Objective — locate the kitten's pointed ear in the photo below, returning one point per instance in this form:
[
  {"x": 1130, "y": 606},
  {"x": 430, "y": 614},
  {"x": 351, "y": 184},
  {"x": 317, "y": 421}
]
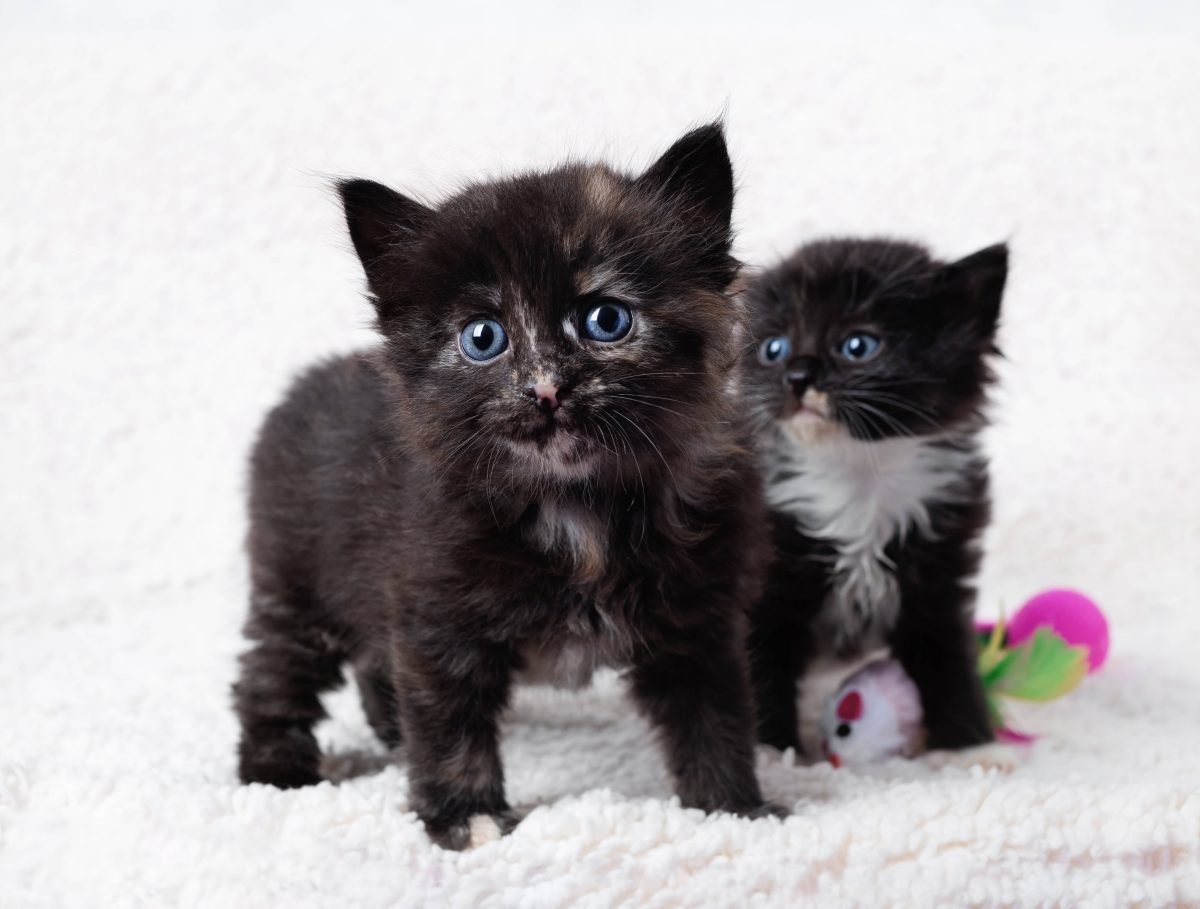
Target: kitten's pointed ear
[
  {"x": 696, "y": 171},
  {"x": 974, "y": 286},
  {"x": 380, "y": 220}
]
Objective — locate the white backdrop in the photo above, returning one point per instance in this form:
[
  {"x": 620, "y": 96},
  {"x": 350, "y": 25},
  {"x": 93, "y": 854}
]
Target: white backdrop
[{"x": 170, "y": 256}]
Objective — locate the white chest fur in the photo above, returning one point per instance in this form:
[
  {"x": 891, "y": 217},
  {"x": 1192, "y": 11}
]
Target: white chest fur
[
  {"x": 860, "y": 496},
  {"x": 574, "y": 530}
]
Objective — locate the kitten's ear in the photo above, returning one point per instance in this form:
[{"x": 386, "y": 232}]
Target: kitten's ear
[
  {"x": 380, "y": 220},
  {"x": 974, "y": 287},
  {"x": 696, "y": 172}
]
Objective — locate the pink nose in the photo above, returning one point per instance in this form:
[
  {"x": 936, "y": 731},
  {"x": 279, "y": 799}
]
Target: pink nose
[{"x": 545, "y": 395}]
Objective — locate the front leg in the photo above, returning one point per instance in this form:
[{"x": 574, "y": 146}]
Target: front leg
[
  {"x": 699, "y": 699},
  {"x": 934, "y": 640},
  {"x": 450, "y": 702},
  {"x": 781, "y": 642},
  {"x": 773, "y": 675}
]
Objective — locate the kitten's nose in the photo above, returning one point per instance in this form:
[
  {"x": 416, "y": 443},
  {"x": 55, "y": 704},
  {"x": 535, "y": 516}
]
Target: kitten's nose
[
  {"x": 802, "y": 372},
  {"x": 547, "y": 395}
]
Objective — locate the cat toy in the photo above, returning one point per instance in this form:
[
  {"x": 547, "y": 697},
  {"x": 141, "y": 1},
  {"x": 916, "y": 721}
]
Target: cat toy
[{"x": 1042, "y": 653}]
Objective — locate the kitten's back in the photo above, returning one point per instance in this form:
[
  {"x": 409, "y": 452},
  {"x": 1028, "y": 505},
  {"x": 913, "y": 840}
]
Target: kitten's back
[{"x": 309, "y": 459}]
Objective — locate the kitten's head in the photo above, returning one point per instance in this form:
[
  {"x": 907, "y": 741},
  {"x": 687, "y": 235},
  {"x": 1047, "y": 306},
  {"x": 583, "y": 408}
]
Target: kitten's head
[
  {"x": 873, "y": 339},
  {"x": 570, "y": 326}
]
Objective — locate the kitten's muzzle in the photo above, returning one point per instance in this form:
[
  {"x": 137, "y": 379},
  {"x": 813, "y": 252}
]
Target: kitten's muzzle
[{"x": 801, "y": 374}]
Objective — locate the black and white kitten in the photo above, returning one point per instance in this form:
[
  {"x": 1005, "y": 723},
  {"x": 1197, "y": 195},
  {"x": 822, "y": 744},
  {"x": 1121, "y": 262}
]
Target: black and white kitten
[
  {"x": 536, "y": 472},
  {"x": 867, "y": 381}
]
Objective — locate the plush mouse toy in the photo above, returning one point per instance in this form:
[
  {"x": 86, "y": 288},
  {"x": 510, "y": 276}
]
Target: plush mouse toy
[
  {"x": 875, "y": 714},
  {"x": 1052, "y": 642}
]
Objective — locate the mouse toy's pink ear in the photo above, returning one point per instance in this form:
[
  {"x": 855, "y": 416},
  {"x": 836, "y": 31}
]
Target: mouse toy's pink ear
[{"x": 850, "y": 707}]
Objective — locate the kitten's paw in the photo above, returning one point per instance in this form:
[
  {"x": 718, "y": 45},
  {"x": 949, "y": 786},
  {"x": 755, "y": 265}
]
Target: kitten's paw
[
  {"x": 281, "y": 776},
  {"x": 999, "y": 756},
  {"x": 471, "y": 832},
  {"x": 766, "y": 809},
  {"x": 781, "y": 742},
  {"x": 287, "y": 761},
  {"x": 790, "y": 756},
  {"x": 749, "y": 810}
]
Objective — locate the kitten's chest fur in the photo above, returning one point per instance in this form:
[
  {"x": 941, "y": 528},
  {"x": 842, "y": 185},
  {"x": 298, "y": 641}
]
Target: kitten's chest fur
[
  {"x": 573, "y": 531},
  {"x": 587, "y": 638},
  {"x": 867, "y": 500}
]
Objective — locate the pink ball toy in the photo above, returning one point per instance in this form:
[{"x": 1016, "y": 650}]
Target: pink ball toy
[{"x": 1069, "y": 614}]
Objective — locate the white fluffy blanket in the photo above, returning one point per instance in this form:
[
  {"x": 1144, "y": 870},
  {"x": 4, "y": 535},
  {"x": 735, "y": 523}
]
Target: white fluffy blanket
[{"x": 169, "y": 256}]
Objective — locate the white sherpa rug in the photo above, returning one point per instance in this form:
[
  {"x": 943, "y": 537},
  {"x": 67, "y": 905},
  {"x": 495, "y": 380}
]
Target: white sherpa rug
[{"x": 168, "y": 258}]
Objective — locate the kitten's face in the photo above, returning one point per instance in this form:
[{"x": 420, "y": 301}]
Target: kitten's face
[
  {"x": 872, "y": 340},
  {"x": 570, "y": 326}
]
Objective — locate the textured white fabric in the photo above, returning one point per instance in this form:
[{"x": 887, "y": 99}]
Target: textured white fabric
[{"x": 169, "y": 256}]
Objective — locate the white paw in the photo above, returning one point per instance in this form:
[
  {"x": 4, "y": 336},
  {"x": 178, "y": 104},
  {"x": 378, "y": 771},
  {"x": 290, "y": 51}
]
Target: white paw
[
  {"x": 1000, "y": 756},
  {"x": 482, "y": 829}
]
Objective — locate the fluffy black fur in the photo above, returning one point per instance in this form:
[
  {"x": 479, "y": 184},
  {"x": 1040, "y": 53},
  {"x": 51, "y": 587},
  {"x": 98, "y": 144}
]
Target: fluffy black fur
[
  {"x": 443, "y": 525},
  {"x": 874, "y": 456}
]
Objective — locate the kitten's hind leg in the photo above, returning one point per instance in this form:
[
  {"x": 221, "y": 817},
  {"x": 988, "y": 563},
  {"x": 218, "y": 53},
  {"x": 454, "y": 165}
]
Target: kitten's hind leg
[
  {"x": 276, "y": 697},
  {"x": 379, "y": 702}
]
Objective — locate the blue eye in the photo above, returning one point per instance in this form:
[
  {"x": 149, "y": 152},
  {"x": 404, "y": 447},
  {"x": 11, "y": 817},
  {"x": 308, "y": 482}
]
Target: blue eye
[
  {"x": 859, "y": 346},
  {"x": 483, "y": 339},
  {"x": 610, "y": 321},
  {"x": 775, "y": 350}
]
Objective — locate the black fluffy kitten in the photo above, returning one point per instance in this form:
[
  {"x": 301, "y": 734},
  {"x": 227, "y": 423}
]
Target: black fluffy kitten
[
  {"x": 534, "y": 473},
  {"x": 868, "y": 379}
]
